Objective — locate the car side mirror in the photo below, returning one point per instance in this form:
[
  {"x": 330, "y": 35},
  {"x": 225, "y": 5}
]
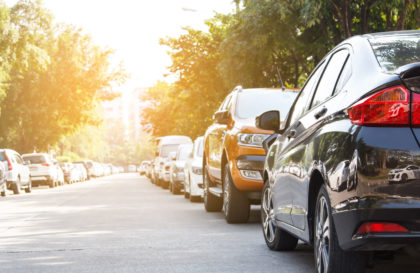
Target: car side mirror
[
  {"x": 269, "y": 120},
  {"x": 221, "y": 117}
]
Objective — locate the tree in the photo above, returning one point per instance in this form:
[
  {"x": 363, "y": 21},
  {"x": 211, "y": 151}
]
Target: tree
[{"x": 57, "y": 78}]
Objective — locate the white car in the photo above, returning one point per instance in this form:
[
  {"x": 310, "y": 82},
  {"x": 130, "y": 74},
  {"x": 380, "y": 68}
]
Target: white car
[
  {"x": 42, "y": 168},
  {"x": 193, "y": 184},
  {"x": 403, "y": 174},
  {"x": 177, "y": 176},
  {"x": 17, "y": 171},
  {"x": 165, "y": 146}
]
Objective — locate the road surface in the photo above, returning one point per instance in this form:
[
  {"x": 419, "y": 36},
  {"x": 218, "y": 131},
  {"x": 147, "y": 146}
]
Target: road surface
[{"x": 123, "y": 223}]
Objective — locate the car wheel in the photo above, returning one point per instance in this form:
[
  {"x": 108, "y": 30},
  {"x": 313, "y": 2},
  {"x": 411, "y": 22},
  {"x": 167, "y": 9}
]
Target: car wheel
[
  {"x": 51, "y": 183},
  {"x": 16, "y": 186},
  {"x": 275, "y": 238},
  {"x": 329, "y": 257},
  {"x": 186, "y": 193},
  {"x": 28, "y": 189},
  {"x": 236, "y": 205},
  {"x": 175, "y": 189},
  {"x": 3, "y": 192},
  {"x": 212, "y": 203},
  {"x": 404, "y": 178}
]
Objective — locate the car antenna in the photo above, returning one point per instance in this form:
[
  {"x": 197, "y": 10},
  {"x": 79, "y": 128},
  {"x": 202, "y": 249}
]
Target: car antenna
[{"x": 281, "y": 80}]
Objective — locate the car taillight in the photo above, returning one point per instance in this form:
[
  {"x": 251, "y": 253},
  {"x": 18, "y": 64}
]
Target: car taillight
[
  {"x": 167, "y": 168},
  {"x": 45, "y": 164},
  {"x": 415, "y": 110},
  {"x": 380, "y": 227},
  {"x": 389, "y": 107},
  {"x": 9, "y": 163}
]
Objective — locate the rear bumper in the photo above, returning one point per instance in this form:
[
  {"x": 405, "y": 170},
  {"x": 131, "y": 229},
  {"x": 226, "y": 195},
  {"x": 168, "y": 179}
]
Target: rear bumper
[
  {"x": 400, "y": 211},
  {"x": 40, "y": 177}
]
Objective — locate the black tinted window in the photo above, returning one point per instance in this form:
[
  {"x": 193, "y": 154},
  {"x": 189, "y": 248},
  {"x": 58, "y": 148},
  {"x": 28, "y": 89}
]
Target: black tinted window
[
  {"x": 35, "y": 159},
  {"x": 302, "y": 101},
  {"x": 329, "y": 77}
]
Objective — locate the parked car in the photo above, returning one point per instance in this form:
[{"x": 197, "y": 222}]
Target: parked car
[
  {"x": 403, "y": 174},
  {"x": 233, "y": 152},
  {"x": 361, "y": 100},
  {"x": 17, "y": 171},
  {"x": 132, "y": 168},
  {"x": 143, "y": 167},
  {"x": 193, "y": 184},
  {"x": 177, "y": 176},
  {"x": 69, "y": 172},
  {"x": 90, "y": 168},
  {"x": 42, "y": 169},
  {"x": 166, "y": 145},
  {"x": 3, "y": 185},
  {"x": 83, "y": 174}
]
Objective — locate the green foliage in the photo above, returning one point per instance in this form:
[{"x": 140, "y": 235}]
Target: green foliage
[
  {"x": 247, "y": 47},
  {"x": 55, "y": 77}
]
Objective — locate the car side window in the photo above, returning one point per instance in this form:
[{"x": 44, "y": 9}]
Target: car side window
[
  {"x": 344, "y": 76},
  {"x": 225, "y": 103},
  {"x": 329, "y": 77},
  {"x": 18, "y": 159},
  {"x": 302, "y": 101}
]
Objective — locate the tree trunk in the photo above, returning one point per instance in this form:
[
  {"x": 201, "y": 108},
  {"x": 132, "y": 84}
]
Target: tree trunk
[
  {"x": 364, "y": 20},
  {"x": 403, "y": 15}
]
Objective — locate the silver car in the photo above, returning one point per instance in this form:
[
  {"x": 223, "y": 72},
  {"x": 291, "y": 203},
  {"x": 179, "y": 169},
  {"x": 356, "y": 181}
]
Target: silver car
[{"x": 17, "y": 171}]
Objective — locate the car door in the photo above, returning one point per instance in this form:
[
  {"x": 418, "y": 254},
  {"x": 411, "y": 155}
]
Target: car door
[
  {"x": 216, "y": 134},
  {"x": 282, "y": 198},
  {"x": 306, "y": 151},
  {"x": 23, "y": 169}
]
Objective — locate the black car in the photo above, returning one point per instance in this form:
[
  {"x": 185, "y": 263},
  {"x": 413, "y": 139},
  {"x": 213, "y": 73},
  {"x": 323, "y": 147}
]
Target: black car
[{"x": 326, "y": 173}]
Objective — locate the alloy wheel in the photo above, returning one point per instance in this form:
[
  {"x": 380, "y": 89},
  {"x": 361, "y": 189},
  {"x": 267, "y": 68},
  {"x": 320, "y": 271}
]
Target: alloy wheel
[
  {"x": 226, "y": 189},
  {"x": 322, "y": 236},
  {"x": 268, "y": 216}
]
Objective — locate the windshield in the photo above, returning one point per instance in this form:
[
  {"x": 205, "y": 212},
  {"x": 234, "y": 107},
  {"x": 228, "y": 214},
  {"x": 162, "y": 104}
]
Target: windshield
[
  {"x": 35, "y": 159},
  {"x": 393, "y": 52},
  {"x": 252, "y": 103},
  {"x": 165, "y": 150}
]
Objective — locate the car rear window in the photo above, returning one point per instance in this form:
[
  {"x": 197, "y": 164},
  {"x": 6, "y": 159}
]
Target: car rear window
[
  {"x": 35, "y": 159},
  {"x": 2, "y": 156},
  {"x": 252, "y": 103},
  {"x": 393, "y": 52}
]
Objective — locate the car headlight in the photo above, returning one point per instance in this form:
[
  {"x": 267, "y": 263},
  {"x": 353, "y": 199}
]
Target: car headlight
[
  {"x": 252, "y": 140},
  {"x": 197, "y": 170}
]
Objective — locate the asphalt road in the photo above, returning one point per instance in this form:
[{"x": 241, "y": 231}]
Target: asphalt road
[{"x": 123, "y": 223}]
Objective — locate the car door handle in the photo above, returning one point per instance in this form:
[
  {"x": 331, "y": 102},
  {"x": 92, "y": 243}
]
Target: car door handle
[{"x": 321, "y": 112}]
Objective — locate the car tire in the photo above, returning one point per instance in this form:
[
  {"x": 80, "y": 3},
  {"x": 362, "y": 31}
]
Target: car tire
[
  {"x": 212, "y": 203},
  {"x": 404, "y": 178},
  {"x": 3, "y": 192},
  {"x": 186, "y": 194},
  {"x": 28, "y": 189},
  {"x": 16, "y": 186},
  {"x": 51, "y": 183},
  {"x": 175, "y": 189},
  {"x": 236, "y": 206},
  {"x": 275, "y": 238},
  {"x": 329, "y": 257}
]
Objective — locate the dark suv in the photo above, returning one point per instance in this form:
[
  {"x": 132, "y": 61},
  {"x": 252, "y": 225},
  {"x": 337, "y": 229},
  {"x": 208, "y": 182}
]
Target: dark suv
[{"x": 356, "y": 120}]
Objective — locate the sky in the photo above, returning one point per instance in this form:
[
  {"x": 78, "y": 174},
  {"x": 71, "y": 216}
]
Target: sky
[{"x": 133, "y": 28}]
